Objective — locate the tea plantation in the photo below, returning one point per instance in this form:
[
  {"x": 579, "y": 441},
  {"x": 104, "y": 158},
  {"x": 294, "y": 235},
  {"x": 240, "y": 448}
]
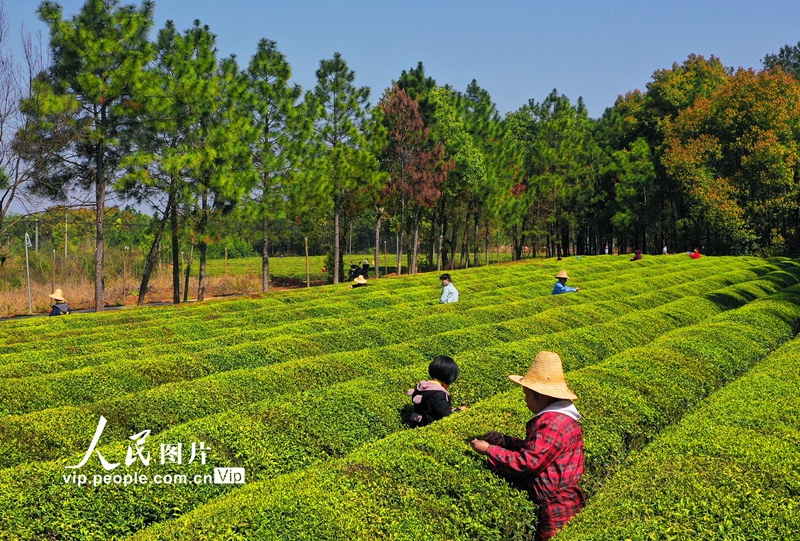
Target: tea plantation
[{"x": 687, "y": 373}]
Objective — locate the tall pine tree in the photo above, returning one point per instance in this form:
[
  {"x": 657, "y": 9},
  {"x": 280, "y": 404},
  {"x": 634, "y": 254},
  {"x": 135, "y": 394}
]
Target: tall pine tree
[
  {"x": 97, "y": 64},
  {"x": 342, "y": 154}
]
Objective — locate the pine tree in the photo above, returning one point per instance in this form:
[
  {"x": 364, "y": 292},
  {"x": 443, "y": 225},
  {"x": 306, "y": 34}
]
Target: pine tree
[
  {"x": 97, "y": 64},
  {"x": 282, "y": 128},
  {"x": 342, "y": 154}
]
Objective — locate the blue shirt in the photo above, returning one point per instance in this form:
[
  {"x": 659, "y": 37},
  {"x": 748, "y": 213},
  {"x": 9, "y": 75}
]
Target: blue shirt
[
  {"x": 449, "y": 294},
  {"x": 561, "y": 288}
]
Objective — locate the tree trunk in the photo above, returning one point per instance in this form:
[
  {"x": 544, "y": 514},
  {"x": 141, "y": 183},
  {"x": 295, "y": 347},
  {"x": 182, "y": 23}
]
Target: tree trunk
[
  {"x": 464, "y": 260},
  {"x": 453, "y": 245},
  {"x": 401, "y": 234},
  {"x": 415, "y": 248},
  {"x": 442, "y": 223},
  {"x": 477, "y": 244},
  {"x": 265, "y": 257},
  {"x": 176, "y": 255},
  {"x": 152, "y": 256},
  {"x": 432, "y": 242},
  {"x": 488, "y": 243},
  {"x": 188, "y": 272},
  {"x": 336, "y": 212},
  {"x": 378, "y": 243},
  {"x": 201, "y": 232},
  {"x": 439, "y": 251},
  {"x": 517, "y": 242},
  {"x": 565, "y": 241},
  {"x": 99, "y": 251}
]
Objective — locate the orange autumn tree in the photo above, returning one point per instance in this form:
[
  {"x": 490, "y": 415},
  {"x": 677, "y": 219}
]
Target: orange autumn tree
[{"x": 735, "y": 155}]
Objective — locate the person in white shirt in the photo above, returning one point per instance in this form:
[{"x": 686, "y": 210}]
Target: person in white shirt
[{"x": 449, "y": 291}]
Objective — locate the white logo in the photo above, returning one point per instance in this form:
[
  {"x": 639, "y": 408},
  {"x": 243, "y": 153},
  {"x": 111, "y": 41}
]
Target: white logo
[{"x": 228, "y": 476}]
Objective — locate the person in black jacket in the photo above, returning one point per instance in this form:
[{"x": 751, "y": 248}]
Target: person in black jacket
[
  {"x": 60, "y": 308},
  {"x": 431, "y": 398}
]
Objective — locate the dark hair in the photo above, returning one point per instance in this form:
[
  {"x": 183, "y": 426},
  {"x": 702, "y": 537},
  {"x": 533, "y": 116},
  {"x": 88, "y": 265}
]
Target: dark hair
[
  {"x": 444, "y": 369},
  {"x": 445, "y": 277}
]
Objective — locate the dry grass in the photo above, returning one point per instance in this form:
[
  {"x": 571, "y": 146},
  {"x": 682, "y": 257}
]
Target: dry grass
[{"x": 80, "y": 292}]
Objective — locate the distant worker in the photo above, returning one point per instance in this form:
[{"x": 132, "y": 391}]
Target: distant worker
[
  {"x": 360, "y": 281},
  {"x": 449, "y": 291},
  {"x": 60, "y": 308},
  {"x": 664, "y": 251},
  {"x": 606, "y": 248},
  {"x": 561, "y": 286},
  {"x": 695, "y": 254},
  {"x": 637, "y": 255}
]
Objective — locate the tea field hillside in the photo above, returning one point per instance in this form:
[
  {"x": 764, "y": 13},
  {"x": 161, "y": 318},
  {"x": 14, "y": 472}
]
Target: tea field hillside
[{"x": 282, "y": 417}]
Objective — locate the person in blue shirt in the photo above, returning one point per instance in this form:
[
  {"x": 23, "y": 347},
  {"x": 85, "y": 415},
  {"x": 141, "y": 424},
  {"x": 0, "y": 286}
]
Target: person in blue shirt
[
  {"x": 449, "y": 291},
  {"x": 561, "y": 285}
]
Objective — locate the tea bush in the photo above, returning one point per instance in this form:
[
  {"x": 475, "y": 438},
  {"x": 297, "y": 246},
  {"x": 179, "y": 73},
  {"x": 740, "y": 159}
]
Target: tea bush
[
  {"x": 728, "y": 470},
  {"x": 259, "y": 436},
  {"x": 427, "y": 483}
]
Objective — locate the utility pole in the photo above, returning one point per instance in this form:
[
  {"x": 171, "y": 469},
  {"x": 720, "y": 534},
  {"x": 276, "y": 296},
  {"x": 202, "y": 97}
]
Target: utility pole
[
  {"x": 28, "y": 271},
  {"x": 124, "y": 273}
]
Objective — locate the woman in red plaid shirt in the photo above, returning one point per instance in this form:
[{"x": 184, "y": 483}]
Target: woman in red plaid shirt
[{"x": 550, "y": 458}]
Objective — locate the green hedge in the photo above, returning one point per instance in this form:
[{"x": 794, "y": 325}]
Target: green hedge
[
  {"x": 18, "y": 333},
  {"x": 210, "y": 396},
  {"x": 274, "y": 437},
  {"x": 122, "y": 377},
  {"x": 163, "y": 327},
  {"x": 426, "y": 484},
  {"x": 729, "y": 470}
]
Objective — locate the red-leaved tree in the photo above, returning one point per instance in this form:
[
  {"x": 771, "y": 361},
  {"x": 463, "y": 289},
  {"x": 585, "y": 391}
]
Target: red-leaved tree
[{"x": 417, "y": 168}]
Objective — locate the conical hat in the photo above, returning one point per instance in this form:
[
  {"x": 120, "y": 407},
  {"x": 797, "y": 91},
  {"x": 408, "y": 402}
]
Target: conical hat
[
  {"x": 360, "y": 279},
  {"x": 562, "y": 274},
  {"x": 546, "y": 376},
  {"x": 57, "y": 295}
]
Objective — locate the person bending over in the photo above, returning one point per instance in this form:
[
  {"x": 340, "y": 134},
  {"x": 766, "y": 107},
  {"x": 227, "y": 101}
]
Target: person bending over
[{"x": 550, "y": 458}]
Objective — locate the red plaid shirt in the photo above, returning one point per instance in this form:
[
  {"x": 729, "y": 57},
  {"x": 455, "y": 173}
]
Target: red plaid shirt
[{"x": 551, "y": 461}]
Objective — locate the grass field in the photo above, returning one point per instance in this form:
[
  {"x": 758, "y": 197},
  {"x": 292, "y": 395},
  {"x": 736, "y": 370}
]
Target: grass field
[{"x": 304, "y": 392}]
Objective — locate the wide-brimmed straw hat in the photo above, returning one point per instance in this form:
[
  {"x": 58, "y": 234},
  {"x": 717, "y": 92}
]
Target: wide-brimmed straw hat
[
  {"x": 360, "y": 279},
  {"x": 546, "y": 376},
  {"x": 57, "y": 295},
  {"x": 562, "y": 274}
]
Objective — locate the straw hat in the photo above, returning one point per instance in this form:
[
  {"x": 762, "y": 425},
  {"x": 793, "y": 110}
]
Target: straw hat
[
  {"x": 360, "y": 279},
  {"x": 57, "y": 295},
  {"x": 546, "y": 376},
  {"x": 562, "y": 274}
]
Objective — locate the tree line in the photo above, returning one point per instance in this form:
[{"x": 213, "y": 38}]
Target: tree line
[{"x": 706, "y": 157}]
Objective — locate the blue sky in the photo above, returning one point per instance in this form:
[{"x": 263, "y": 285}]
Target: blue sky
[{"x": 517, "y": 50}]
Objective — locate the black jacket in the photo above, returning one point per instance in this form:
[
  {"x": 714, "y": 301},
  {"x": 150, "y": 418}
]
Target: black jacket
[
  {"x": 431, "y": 403},
  {"x": 60, "y": 309}
]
